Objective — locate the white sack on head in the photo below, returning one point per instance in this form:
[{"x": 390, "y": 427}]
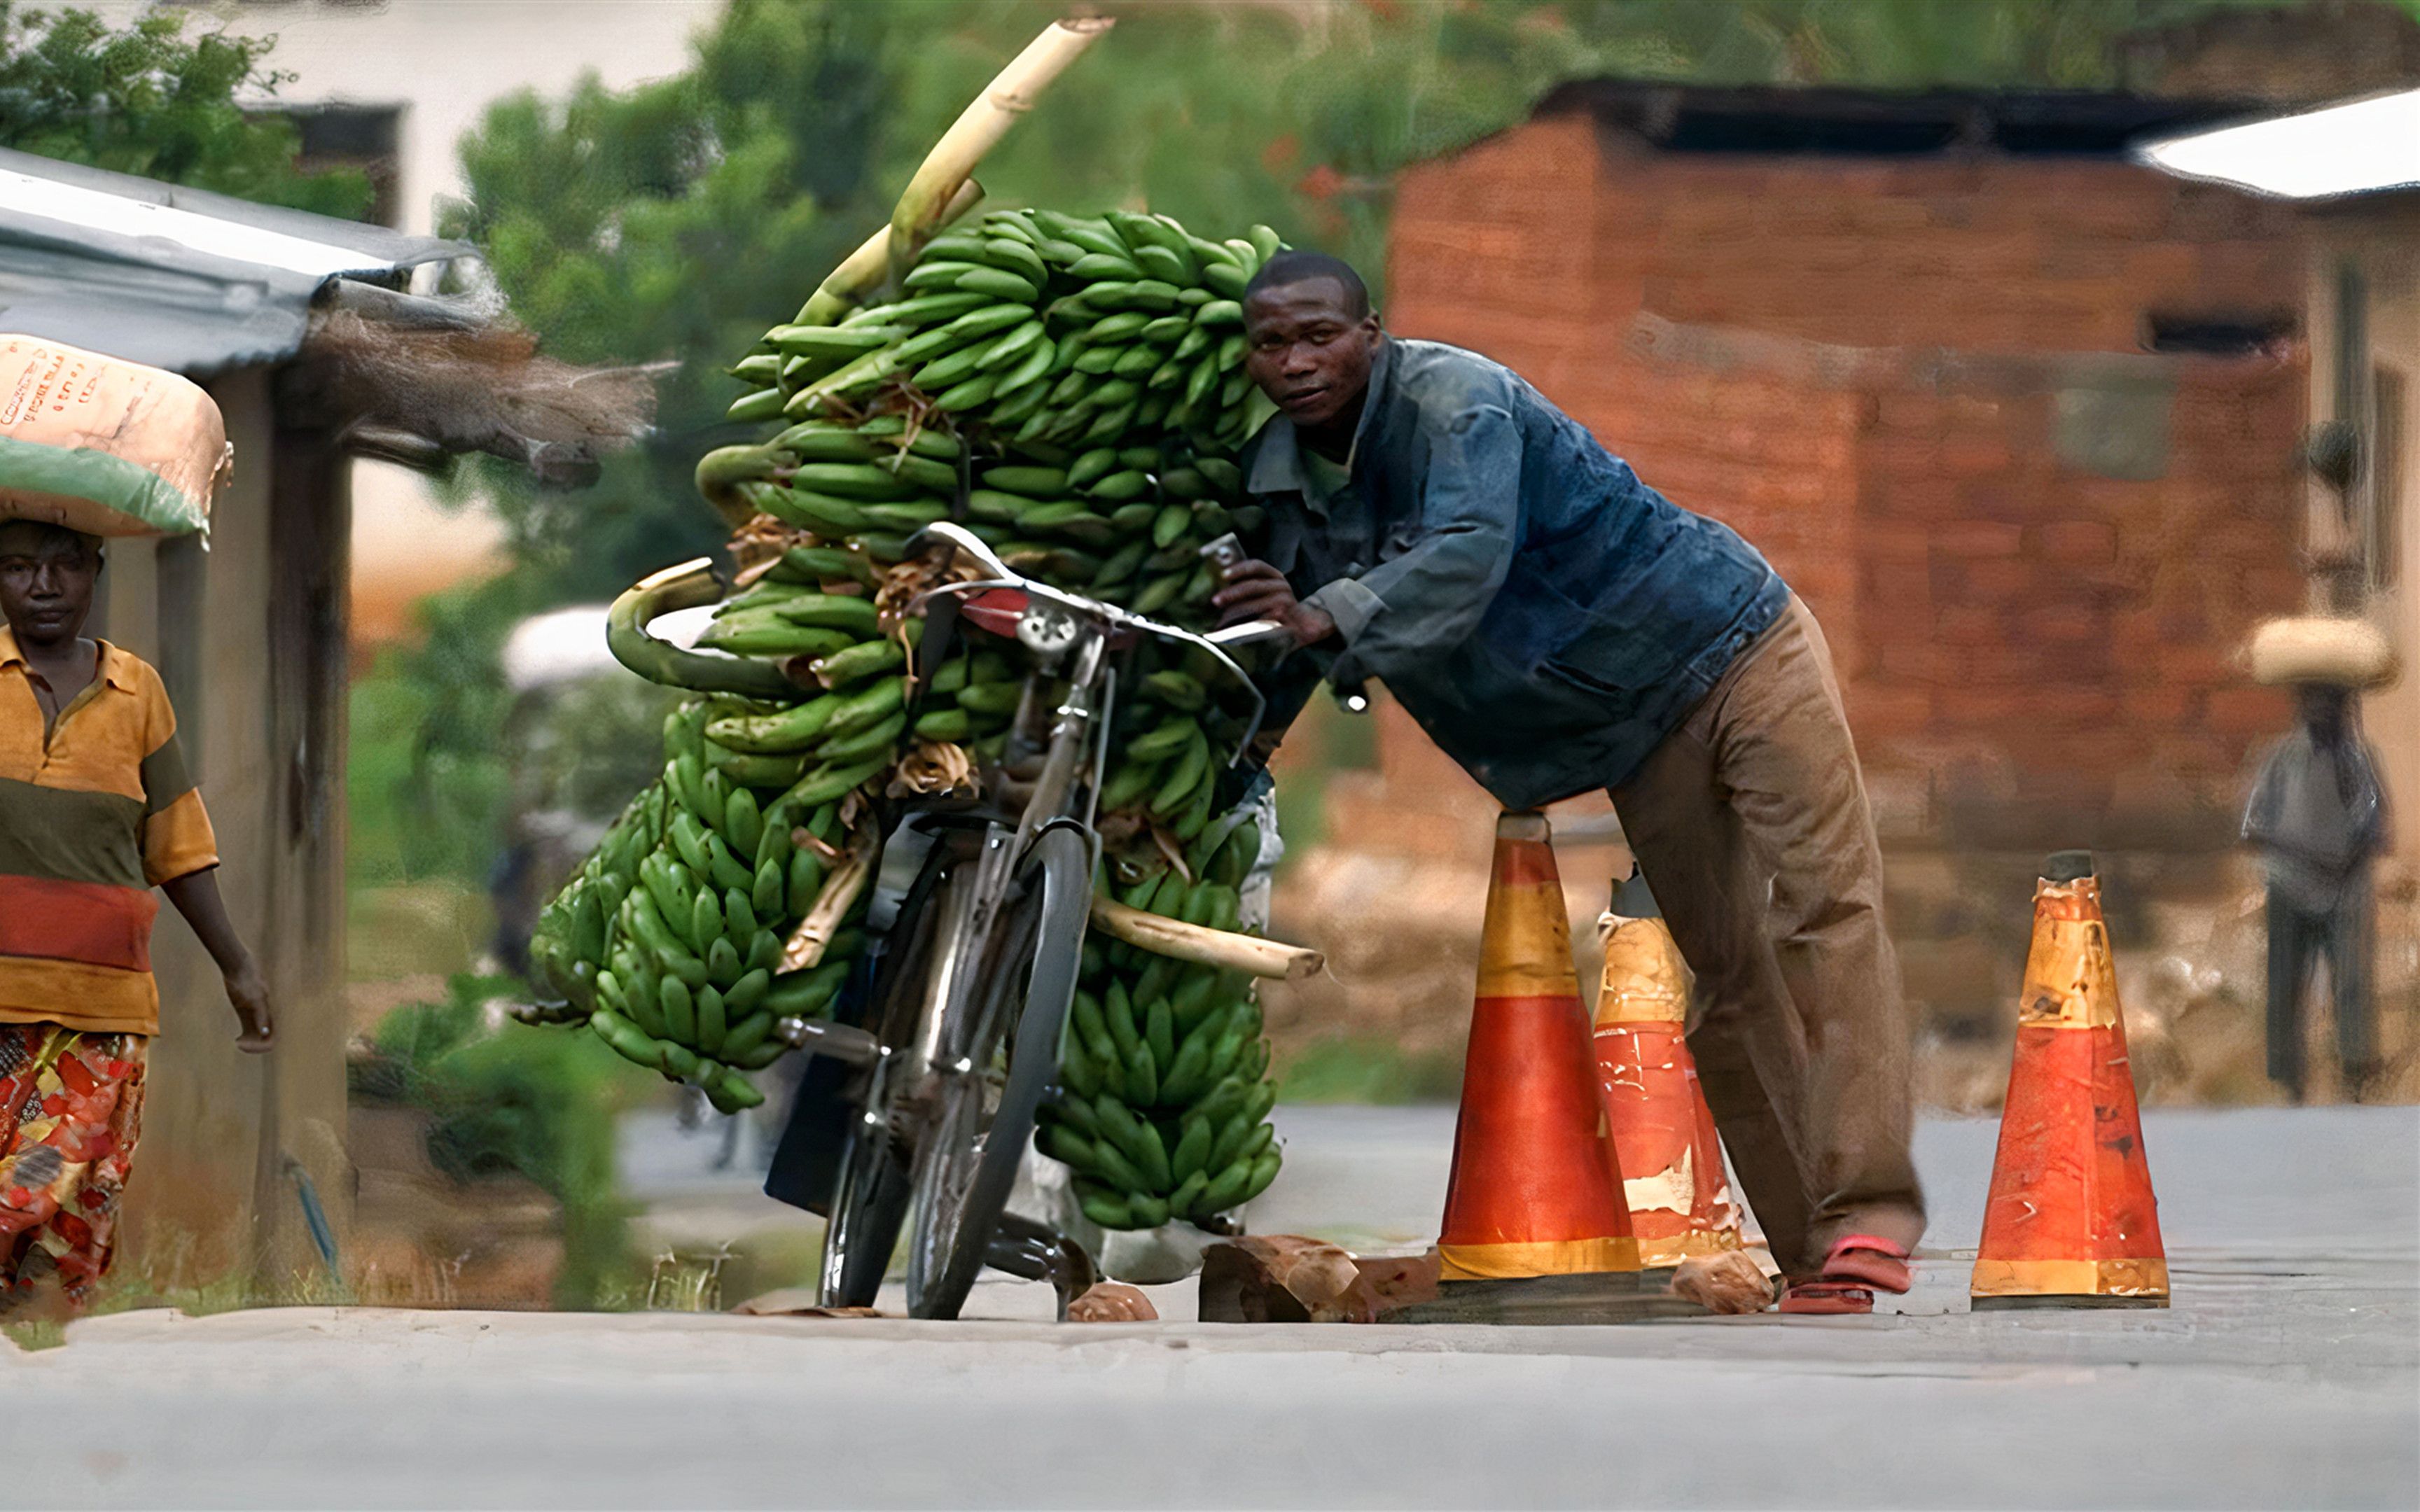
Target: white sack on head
[
  {"x": 2340, "y": 653},
  {"x": 105, "y": 446}
]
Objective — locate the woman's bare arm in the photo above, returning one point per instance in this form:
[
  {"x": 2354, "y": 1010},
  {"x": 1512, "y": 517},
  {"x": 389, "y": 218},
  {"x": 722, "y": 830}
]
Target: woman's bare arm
[{"x": 196, "y": 896}]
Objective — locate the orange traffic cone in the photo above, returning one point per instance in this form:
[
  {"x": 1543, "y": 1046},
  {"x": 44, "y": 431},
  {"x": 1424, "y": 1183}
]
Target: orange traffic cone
[
  {"x": 1674, "y": 1185},
  {"x": 1535, "y": 1189},
  {"x": 2070, "y": 1221}
]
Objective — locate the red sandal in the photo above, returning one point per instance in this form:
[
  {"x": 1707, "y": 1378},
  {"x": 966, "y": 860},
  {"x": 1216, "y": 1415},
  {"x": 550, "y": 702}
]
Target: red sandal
[
  {"x": 1876, "y": 1262},
  {"x": 1818, "y": 1296},
  {"x": 1858, "y": 1266}
]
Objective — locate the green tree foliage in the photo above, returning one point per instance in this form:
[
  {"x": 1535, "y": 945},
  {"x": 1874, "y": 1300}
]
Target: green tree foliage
[
  {"x": 661, "y": 225},
  {"x": 151, "y": 100},
  {"x": 505, "y": 1102},
  {"x": 1907, "y": 44},
  {"x": 429, "y": 769}
]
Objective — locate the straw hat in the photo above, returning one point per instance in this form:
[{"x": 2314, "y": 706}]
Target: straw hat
[{"x": 2341, "y": 653}]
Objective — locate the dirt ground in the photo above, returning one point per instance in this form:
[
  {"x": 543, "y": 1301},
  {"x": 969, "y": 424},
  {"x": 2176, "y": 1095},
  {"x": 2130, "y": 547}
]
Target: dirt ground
[{"x": 1401, "y": 938}]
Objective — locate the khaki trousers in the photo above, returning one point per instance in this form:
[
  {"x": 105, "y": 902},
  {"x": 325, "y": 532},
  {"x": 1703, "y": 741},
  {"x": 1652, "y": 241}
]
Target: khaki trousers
[{"x": 1751, "y": 824}]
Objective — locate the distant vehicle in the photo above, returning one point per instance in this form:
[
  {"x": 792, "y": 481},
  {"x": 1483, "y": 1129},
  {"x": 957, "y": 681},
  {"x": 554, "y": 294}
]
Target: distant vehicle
[{"x": 582, "y": 735}]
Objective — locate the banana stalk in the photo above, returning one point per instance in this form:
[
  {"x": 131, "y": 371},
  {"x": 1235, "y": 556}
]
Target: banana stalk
[
  {"x": 866, "y": 269},
  {"x": 1222, "y": 948},
  {"x": 805, "y": 947},
  {"x": 982, "y": 123},
  {"x": 686, "y": 586},
  {"x": 720, "y": 472}
]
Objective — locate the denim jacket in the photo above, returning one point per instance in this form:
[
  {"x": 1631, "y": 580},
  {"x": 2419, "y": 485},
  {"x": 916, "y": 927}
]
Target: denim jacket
[{"x": 1545, "y": 616}]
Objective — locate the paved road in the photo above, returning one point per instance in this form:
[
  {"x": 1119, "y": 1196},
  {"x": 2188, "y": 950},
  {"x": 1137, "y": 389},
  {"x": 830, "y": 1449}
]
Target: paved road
[{"x": 2287, "y": 1374}]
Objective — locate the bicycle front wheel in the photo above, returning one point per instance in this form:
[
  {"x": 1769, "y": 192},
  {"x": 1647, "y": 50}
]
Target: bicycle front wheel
[{"x": 1002, "y": 1056}]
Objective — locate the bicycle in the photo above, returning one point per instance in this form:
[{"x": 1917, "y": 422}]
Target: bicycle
[{"x": 980, "y": 913}]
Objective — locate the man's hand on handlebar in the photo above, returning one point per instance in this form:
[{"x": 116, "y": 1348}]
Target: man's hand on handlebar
[{"x": 1256, "y": 591}]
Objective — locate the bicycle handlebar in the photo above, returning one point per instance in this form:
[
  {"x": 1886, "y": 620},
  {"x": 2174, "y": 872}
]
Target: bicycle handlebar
[
  {"x": 965, "y": 540},
  {"x": 1250, "y": 633},
  {"x": 1000, "y": 575}
]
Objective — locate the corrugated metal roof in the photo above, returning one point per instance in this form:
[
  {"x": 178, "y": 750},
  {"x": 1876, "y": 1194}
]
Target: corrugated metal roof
[
  {"x": 179, "y": 278},
  {"x": 2362, "y": 147}
]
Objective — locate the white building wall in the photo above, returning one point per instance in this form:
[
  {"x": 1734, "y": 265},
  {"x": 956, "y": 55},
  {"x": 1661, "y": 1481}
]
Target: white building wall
[{"x": 444, "y": 61}]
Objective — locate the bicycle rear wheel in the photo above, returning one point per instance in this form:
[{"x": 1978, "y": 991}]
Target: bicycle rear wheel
[{"x": 1002, "y": 1056}]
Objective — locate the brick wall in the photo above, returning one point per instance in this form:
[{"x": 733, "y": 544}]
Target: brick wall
[{"x": 1889, "y": 376}]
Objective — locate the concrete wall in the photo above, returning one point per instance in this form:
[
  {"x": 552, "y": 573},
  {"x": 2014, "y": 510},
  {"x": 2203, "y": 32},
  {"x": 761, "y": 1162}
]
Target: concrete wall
[
  {"x": 212, "y": 1195},
  {"x": 2383, "y": 241}
]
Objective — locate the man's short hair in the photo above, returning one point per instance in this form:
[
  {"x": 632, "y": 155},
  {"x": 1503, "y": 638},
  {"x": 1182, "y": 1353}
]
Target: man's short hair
[{"x": 1290, "y": 267}]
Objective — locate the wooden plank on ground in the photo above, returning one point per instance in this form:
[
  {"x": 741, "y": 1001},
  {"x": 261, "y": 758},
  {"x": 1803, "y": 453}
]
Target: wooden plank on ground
[{"x": 1289, "y": 1279}]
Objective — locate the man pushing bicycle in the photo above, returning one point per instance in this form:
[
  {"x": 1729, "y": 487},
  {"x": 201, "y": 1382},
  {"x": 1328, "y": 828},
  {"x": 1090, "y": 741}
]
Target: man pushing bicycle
[{"x": 1556, "y": 625}]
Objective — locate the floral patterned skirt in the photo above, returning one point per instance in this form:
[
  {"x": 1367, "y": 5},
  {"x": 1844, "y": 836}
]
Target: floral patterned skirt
[{"x": 71, "y": 1112}]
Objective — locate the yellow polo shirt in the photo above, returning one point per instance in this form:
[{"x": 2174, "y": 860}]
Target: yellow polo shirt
[{"x": 91, "y": 820}]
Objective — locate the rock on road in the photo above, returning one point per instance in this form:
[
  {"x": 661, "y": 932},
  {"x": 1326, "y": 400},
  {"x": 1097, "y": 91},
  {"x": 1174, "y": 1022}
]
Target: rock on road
[{"x": 2287, "y": 1373}]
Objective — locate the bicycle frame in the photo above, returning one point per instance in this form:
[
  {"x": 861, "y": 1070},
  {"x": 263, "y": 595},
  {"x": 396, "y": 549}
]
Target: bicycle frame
[
  {"x": 915, "y": 1083},
  {"x": 1080, "y": 635}
]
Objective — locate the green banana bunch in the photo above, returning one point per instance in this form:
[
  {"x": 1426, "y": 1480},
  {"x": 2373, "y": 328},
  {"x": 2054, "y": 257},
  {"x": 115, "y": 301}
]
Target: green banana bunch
[
  {"x": 1094, "y": 365},
  {"x": 671, "y": 935},
  {"x": 567, "y": 946},
  {"x": 1164, "y": 1093},
  {"x": 969, "y": 700},
  {"x": 851, "y": 713},
  {"x": 1072, "y": 389},
  {"x": 1167, "y": 747},
  {"x": 993, "y": 317}
]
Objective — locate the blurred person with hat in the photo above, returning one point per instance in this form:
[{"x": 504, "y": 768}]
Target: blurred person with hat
[{"x": 2317, "y": 819}]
